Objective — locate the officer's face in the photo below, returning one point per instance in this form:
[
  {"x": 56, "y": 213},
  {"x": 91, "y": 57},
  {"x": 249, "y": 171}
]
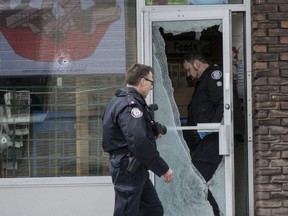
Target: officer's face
[{"x": 191, "y": 69}]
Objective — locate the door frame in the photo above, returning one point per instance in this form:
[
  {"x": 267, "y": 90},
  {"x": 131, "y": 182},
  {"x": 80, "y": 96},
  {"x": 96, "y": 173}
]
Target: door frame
[{"x": 149, "y": 15}]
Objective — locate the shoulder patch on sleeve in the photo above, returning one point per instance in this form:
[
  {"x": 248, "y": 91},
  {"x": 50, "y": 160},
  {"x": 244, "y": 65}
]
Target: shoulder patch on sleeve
[
  {"x": 217, "y": 74},
  {"x": 136, "y": 112}
]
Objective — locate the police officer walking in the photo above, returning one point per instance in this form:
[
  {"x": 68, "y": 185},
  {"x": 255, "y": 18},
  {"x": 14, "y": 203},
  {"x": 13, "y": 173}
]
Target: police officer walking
[
  {"x": 129, "y": 136},
  {"x": 206, "y": 106}
]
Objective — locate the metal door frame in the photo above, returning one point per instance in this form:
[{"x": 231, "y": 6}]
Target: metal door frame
[{"x": 150, "y": 14}]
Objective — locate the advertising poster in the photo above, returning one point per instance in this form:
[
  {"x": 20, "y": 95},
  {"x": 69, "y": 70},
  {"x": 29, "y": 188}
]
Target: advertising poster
[{"x": 42, "y": 37}]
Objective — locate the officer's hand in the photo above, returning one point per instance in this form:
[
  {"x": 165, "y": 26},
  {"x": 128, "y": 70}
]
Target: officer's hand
[
  {"x": 203, "y": 134},
  {"x": 168, "y": 176}
]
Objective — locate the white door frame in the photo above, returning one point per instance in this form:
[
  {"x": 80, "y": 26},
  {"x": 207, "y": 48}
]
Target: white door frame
[{"x": 226, "y": 146}]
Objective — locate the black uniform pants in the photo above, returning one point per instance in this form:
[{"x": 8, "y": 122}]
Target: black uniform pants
[
  {"x": 206, "y": 159},
  {"x": 207, "y": 170},
  {"x": 135, "y": 195}
]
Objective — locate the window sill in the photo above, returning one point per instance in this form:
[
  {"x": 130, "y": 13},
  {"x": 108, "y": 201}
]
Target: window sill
[{"x": 56, "y": 181}]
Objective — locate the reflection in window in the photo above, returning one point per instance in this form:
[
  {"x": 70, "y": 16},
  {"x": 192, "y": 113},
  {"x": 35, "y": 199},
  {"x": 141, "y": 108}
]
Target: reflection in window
[
  {"x": 60, "y": 64},
  {"x": 188, "y": 192},
  {"x": 52, "y": 126}
]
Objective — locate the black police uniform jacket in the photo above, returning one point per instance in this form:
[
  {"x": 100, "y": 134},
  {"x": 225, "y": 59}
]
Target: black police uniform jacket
[
  {"x": 127, "y": 126},
  {"x": 206, "y": 106}
]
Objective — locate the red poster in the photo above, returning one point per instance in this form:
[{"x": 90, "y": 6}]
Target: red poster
[{"x": 67, "y": 36}]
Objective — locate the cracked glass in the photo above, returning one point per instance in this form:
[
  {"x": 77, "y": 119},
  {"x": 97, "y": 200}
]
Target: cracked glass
[{"x": 188, "y": 193}]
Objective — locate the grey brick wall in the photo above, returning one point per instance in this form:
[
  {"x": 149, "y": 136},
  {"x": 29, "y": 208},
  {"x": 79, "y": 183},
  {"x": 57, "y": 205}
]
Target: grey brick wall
[{"x": 270, "y": 91}]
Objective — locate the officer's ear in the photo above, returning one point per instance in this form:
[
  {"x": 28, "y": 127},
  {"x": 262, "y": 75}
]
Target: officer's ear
[
  {"x": 196, "y": 65},
  {"x": 142, "y": 81}
]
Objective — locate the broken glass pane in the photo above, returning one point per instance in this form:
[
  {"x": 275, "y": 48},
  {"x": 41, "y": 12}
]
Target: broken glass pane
[{"x": 187, "y": 195}]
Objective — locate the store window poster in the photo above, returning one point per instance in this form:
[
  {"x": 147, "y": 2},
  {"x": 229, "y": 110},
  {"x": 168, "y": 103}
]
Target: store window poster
[{"x": 62, "y": 36}]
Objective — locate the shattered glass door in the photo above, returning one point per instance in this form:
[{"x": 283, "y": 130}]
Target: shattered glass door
[{"x": 187, "y": 195}]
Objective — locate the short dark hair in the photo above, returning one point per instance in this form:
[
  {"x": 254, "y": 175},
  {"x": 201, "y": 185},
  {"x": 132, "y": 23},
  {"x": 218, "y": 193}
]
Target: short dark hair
[
  {"x": 136, "y": 72},
  {"x": 191, "y": 57}
]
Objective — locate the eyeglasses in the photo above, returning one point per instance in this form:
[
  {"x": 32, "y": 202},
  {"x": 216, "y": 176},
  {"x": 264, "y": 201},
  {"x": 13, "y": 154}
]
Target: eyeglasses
[{"x": 152, "y": 82}]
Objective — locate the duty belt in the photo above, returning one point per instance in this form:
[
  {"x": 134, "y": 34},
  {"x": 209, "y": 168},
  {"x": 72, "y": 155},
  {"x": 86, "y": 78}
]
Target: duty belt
[{"x": 122, "y": 151}]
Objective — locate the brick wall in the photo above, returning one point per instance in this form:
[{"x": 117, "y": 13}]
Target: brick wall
[{"x": 270, "y": 90}]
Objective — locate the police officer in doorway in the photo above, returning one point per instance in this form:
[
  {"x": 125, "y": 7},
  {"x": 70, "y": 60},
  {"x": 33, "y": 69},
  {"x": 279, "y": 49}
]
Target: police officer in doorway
[
  {"x": 129, "y": 137},
  {"x": 206, "y": 106}
]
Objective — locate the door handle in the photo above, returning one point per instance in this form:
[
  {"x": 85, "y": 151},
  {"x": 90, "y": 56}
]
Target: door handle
[{"x": 224, "y": 140}]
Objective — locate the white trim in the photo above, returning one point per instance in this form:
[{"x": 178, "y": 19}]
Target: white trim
[
  {"x": 55, "y": 181},
  {"x": 139, "y": 27},
  {"x": 248, "y": 28},
  {"x": 185, "y": 14},
  {"x": 175, "y": 8},
  {"x": 228, "y": 126},
  {"x": 246, "y": 8},
  {"x": 159, "y": 14}
]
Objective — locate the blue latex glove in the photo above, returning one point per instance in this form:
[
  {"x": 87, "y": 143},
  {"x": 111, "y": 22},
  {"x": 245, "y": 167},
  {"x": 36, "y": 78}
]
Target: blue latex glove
[{"x": 203, "y": 134}]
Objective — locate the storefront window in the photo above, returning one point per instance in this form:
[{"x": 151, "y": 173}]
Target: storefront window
[
  {"x": 192, "y": 2},
  {"x": 60, "y": 64}
]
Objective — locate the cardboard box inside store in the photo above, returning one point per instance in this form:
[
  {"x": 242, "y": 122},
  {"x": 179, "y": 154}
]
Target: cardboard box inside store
[{"x": 182, "y": 97}]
